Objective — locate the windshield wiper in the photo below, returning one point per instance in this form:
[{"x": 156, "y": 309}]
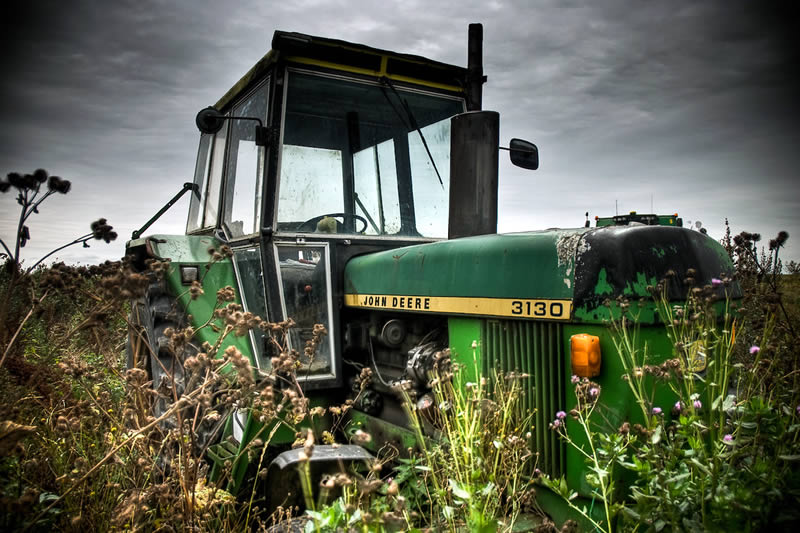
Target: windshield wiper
[{"x": 412, "y": 121}]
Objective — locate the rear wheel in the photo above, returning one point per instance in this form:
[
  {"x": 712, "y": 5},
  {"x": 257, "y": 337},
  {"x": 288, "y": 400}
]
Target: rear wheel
[{"x": 151, "y": 348}]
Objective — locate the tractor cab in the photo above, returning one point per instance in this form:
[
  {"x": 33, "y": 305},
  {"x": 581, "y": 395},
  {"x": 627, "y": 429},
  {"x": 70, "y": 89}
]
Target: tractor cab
[{"x": 325, "y": 150}]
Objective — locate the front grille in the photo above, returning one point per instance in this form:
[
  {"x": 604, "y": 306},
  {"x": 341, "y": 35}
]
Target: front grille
[{"x": 535, "y": 349}]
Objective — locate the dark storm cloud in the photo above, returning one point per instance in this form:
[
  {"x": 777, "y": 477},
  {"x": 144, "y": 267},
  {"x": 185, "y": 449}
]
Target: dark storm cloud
[
  {"x": 691, "y": 104},
  {"x": 94, "y": 91}
]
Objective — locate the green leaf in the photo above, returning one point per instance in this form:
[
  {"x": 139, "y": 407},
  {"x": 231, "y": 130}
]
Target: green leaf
[
  {"x": 458, "y": 490},
  {"x": 729, "y": 403},
  {"x": 355, "y": 517},
  {"x": 448, "y": 512},
  {"x": 488, "y": 489},
  {"x": 659, "y": 525},
  {"x": 716, "y": 402},
  {"x": 47, "y": 497},
  {"x": 678, "y": 477},
  {"x": 630, "y": 513},
  {"x": 656, "y": 438},
  {"x": 701, "y": 466}
]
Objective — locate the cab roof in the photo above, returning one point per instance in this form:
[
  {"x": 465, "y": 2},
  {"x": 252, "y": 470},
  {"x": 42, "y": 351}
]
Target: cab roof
[{"x": 302, "y": 49}]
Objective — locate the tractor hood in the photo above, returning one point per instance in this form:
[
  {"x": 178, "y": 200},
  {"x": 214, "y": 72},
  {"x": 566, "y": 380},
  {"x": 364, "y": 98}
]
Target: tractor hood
[{"x": 556, "y": 274}]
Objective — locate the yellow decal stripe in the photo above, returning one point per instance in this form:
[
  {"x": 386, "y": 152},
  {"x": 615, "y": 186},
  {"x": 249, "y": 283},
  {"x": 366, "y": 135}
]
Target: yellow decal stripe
[
  {"x": 369, "y": 72},
  {"x": 508, "y": 307}
]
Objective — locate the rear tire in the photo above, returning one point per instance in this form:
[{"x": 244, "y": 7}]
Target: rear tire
[{"x": 148, "y": 347}]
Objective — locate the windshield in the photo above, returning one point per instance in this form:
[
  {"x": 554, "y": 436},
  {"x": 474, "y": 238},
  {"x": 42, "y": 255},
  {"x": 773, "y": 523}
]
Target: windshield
[{"x": 364, "y": 158}]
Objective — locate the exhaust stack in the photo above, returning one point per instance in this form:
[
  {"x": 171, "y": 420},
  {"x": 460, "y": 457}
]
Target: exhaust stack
[
  {"x": 474, "y": 155},
  {"x": 475, "y": 77}
]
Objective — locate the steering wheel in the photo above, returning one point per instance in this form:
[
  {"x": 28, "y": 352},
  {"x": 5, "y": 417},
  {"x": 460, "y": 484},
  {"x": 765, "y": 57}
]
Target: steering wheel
[{"x": 311, "y": 224}]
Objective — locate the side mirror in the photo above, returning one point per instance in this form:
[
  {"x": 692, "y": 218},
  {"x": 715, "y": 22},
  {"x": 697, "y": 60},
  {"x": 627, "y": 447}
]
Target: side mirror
[
  {"x": 524, "y": 154},
  {"x": 209, "y": 120}
]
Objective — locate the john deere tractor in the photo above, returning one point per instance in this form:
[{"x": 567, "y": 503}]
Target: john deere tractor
[{"x": 357, "y": 189}]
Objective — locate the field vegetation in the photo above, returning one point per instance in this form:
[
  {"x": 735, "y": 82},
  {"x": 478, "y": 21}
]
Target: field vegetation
[{"x": 89, "y": 443}]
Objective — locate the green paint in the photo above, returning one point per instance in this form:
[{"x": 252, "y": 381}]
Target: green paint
[
  {"x": 520, "y": 265},
  {"x": 382, "y": 432},
  {"x": 464, "y": 332},
  {"x": 193, "y": 251},
  {"x": 181, "y": 248},
  {"x": 658, "y": 252},
  {"x": 559, "y": 511},
  {"x": 638, "y": 288},
  {"x": 617, "y": 403},
  {"x": 651, "y": 219},
  {"x": 603, "y": 286},
  {"x": 640, "y": 312}
]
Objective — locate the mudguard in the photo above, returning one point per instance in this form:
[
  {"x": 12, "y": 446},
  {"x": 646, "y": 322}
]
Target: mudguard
[{"x": 283, "y": 475}]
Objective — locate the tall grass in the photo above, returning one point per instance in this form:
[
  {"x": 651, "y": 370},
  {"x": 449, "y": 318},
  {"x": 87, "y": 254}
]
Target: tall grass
[
  {"x": 478, "y": 473},
  {"x": 81, "y": 447}
]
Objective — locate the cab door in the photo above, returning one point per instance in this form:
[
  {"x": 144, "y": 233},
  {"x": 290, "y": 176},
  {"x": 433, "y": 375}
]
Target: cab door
[{"x": 241, "y": 207}]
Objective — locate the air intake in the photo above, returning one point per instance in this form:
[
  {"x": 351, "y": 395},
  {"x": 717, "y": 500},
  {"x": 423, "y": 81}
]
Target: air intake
[{"x": 535, "y": 349}]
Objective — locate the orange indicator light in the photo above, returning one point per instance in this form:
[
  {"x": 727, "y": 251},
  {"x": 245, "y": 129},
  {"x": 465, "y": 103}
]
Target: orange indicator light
[{"x": 585, "y": 352}]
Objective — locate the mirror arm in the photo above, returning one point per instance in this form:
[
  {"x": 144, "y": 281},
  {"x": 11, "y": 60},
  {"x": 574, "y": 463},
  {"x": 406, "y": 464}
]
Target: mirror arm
[
  {"x": 209, "y": 120},
  {"x": 520, "y": 150},
  {"x": 186, "y": 187},
  {"x": 263, "y": 134}
]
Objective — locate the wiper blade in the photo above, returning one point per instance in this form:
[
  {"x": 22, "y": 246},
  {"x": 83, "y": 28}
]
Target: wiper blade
[{"x": 412, "y": 121}]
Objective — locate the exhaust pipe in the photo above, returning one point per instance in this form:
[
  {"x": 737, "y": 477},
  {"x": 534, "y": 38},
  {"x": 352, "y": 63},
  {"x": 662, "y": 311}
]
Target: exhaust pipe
[
  {"x": 475, "y": 77},
  {"x": 474, "y": 156}
]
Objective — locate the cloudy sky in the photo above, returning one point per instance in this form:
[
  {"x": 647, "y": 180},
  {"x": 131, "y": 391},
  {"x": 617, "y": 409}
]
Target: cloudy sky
[{"x": 688, "y": 107}]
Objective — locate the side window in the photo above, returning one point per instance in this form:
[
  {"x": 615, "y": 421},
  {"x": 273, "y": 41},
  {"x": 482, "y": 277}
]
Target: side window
[
  {"x": 251, "y": 285},
  {"x": 245, "y": 169},
  {"x": 305, "y": 289},
  {"x": 211, "y": 198},
  {"x": 195, "y": 221}
]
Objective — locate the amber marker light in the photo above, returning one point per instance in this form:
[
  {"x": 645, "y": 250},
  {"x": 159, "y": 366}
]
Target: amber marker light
[{"x": 585, "y": 352}]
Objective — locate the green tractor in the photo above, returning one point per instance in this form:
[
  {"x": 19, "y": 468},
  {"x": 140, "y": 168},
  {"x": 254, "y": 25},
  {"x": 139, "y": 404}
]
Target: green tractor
[
  {"x": 357, "y": 189},
  {"x": 634, "y": 218}
]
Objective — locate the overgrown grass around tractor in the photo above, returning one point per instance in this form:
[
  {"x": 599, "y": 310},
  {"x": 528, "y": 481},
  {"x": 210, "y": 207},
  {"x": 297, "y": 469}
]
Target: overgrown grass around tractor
[{"x": 81, "y": 448}]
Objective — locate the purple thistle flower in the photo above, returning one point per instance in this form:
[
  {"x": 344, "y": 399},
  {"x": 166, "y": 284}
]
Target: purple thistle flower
[
  {"x": 716, "y": 282},
  {"x": 798, "y": 409},
  {"x": 593, "y": 392},
  {"x": 656, "y": 410},
  {"x": 677, "y": 407},
  {"x": 698, "y": 404},
  {"x": 561, "y": 415},
  {"x": 727, "y": 438},
  {"x": 754, "y": 349},
  {"x": 556, "y": 423},
  {"x": 575, "y": 380}
]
